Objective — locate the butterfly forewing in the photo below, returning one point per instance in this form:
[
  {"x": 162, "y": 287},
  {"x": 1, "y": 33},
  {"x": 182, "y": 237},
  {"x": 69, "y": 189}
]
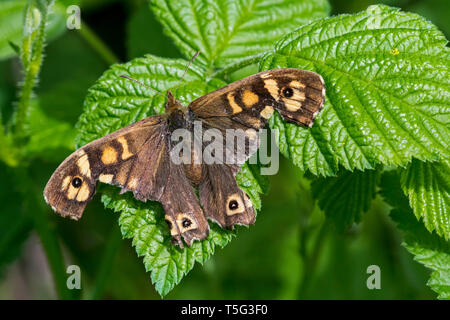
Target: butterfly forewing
[
  {"x": 297, "y": 94},
  {"x": 73, "y": 183}
]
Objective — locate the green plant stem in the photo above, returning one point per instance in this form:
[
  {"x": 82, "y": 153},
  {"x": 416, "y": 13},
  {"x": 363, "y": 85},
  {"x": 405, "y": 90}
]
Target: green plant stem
[
  {"x": 97, "y": 44},
  {"x": 112, "y": 248},
  {"x": 32, "y": 54}
]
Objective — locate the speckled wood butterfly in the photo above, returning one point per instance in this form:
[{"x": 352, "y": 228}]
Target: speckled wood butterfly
[{"x": 137, "y": 157}]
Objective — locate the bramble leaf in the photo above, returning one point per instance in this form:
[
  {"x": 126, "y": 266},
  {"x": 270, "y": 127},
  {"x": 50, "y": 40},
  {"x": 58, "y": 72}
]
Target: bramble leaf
[
  {"x": 427, "y": 248},
  {"x": 427, "y": 185},
  {"x": 227, "y": 31},
  {"x": 387, "y": 76},
  {"x": 345, "y": 197},
  {"x": 48, "y": 136}
]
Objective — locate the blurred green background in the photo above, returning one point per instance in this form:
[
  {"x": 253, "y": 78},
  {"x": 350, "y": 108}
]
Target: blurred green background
[{"x": 290, "y": 253}]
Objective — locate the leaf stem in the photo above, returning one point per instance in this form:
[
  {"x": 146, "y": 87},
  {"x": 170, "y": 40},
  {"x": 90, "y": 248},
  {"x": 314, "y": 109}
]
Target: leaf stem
[{"x": 97, "y": 44}]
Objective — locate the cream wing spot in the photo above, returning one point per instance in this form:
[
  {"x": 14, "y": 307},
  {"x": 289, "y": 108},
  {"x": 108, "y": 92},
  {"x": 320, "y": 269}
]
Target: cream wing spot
[
  {"x": 106, "y": 178},
  {"x": 65, "y": 183},
  {"x": 172, "y": 226},
  {"x": 296, "y": 84},
  {"x": 234, "y": 205},
  {"x": 133, "y": 183},
  {"x": 272, "y": 86},
  {"x": 126, "y": 152},
  {"x": 236, "y": 108},
  {"x": 267, "y": 112},
  {"x": 292, "y": 105},
  {"x": 83, "y": 193},
  {"x": 299, "y": 95},
  {"x": 75, "y": 186},
  {"x": 84, "y": 165},
  {"x": 71, "y": 192}
]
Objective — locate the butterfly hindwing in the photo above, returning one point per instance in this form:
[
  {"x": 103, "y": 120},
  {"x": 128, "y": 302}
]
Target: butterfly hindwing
[
  {"x": 183, "y": 213},
  {"x": 222, "y": 199}
]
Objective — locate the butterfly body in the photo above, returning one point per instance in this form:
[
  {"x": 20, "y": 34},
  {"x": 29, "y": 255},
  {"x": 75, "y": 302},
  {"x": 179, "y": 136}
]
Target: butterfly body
[{"x": 138, "y": 158}]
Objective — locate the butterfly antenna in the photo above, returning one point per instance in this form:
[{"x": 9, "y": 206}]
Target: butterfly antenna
[
  {"x": 186, "y": 70},
  {"x": 142, "y": 84}
]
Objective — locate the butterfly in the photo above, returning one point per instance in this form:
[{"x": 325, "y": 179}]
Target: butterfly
[{"x": 137, "y": 157}]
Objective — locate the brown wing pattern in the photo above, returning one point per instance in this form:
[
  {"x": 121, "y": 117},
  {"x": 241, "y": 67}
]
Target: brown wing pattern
[
  {"x": 107, "y": 159},
  {"x": 298, "y": 95}
]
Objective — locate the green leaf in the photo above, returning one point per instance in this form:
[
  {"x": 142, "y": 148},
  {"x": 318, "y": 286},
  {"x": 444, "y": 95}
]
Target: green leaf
[
  {"x": 11, "y": 20},
  {"x": 227, "y": 31},
  {"x": 427, "y": 248},
  {"x": 344, "y": 198},
  {"x": 387, "y": 76},
  {"x": 48, "y": 136},
  {"x": 427, "y": 185},
  {"x": 114, "y": 102}
]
